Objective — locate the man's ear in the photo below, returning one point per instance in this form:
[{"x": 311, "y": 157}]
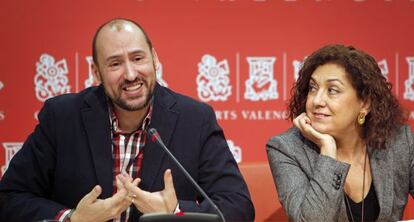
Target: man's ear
[
  {"x": 96, "y": 74},
  {"x": 155, "y": 58}
]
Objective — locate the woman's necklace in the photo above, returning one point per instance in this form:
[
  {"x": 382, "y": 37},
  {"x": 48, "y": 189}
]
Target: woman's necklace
[{"x": 363, "y": 191}]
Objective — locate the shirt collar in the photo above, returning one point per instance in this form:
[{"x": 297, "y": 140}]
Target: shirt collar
[{"x": 114, "y": 120}]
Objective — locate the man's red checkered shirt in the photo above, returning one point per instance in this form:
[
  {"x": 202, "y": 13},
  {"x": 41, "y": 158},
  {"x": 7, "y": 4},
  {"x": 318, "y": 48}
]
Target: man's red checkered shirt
[{"x": 127, "y": 153}]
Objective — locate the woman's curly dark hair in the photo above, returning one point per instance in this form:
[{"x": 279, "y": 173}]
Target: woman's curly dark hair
[{"x": 386, "y": 114}]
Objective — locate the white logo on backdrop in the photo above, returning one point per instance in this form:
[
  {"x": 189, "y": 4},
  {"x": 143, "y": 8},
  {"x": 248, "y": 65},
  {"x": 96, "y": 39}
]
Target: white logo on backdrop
[
  {"x": 10, "y": 150},
  {"x": 409, "y": 91},
  {"x": 90, "y": 81},
  {"x": 1, "y": 85},
  {"x": 158, "y": 73},
  {"x": 297, "y": 65},
  {"x": 261, "y": 85},
  {"x": 51, "y": 78},
  {"x": 213, "y": 82},
  {"x": 235, "y": 150},
  {"x": 383, "y": 67}
]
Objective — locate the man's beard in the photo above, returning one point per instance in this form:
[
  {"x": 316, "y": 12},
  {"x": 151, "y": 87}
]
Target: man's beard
[
  {"x": 131, "y": 107},
  {"x": 123, "y": 103}
]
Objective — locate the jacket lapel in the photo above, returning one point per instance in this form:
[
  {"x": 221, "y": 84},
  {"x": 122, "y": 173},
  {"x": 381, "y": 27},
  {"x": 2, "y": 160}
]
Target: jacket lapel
[
  {"x": 163, "y": 119},
  {"x": 381, "y": 167},
  {"x": 96, "y": 120},
  {"x": 313, "y": 152}
]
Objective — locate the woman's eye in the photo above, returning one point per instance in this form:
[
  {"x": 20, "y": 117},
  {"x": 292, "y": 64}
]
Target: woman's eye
[
  {"x": 333, "y": 91},
  {"x": 312, "y": 88}
]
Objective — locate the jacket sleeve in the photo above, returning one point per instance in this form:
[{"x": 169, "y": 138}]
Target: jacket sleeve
[
  {"x": 219, "y": 176},
  {"x": 25, "y": 186},
  {"x": 306, "y": 193},
  {"x": 410, "y": 138}
]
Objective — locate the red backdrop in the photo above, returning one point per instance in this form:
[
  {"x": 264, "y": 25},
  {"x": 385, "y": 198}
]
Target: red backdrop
[{"x": 251, "y": 47}]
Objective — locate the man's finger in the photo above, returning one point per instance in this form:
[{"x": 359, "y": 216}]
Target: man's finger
[
  {"x": 132, "y": 186},
  {"x": 119, "y": 184},
  {"x": 136, "y": 181},
  {"x": 93, "y": 195},
  {"x": 168, "y": 180},
  {"x": 124, "y": 178},
  {"x": 119, "y": 197}
]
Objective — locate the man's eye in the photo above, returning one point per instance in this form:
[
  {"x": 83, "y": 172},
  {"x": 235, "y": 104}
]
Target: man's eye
[{"x": 114, "y": 64}]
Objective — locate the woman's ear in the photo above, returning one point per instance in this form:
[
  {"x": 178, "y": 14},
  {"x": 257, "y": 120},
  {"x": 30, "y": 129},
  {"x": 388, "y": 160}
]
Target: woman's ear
[{"x": 366, "y": 106}]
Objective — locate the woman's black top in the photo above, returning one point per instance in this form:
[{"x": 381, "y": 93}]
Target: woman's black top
[{"x": 371, "y": 207}]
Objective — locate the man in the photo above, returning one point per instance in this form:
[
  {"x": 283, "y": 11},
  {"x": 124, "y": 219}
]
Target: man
[{"x": 90, "y": 158}]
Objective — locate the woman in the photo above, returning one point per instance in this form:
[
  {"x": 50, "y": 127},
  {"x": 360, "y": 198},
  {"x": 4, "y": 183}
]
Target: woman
[{"x": 349, "y": 156}]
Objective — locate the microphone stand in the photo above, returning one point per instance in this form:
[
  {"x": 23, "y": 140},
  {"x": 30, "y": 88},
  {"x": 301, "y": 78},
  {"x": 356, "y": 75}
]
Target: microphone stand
[{"x": 155, "y": 136}]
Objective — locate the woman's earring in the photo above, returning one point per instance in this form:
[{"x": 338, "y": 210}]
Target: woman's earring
[{"x": 361, "y": 119}]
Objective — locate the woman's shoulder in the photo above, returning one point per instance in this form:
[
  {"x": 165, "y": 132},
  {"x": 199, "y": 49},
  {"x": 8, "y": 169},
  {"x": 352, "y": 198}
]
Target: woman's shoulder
[
  {"x": 403, "y": 136},
  {"x": 402, "y": 141},
  {"x": 289, "y": 138},
  {"x": 290, "y": 134}
]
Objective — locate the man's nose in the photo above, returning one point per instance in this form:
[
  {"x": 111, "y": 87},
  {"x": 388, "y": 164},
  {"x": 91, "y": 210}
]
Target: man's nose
[{"x": 130, "y": 73}]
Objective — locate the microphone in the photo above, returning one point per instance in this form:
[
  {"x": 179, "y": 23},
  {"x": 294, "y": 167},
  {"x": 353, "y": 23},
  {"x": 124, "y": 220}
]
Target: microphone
[{"x": 156, "y": 137}]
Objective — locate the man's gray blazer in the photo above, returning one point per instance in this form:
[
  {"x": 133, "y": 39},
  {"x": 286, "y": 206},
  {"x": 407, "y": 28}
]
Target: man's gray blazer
[{"x": 310, "y": 186}]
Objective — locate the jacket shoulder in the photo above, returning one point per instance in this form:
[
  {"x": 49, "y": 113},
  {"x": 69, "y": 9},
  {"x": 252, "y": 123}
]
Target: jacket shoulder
[
  {"x": 290, "y": 137},
  {"x": 186, "y": 104},
  {"x": 70, "y": 104},
  {"x": 402, "y": 143},
  {"x": 69, "y": 99}
]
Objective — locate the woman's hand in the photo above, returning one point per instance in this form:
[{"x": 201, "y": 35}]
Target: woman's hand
[{"x": 325, "y": 142}]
